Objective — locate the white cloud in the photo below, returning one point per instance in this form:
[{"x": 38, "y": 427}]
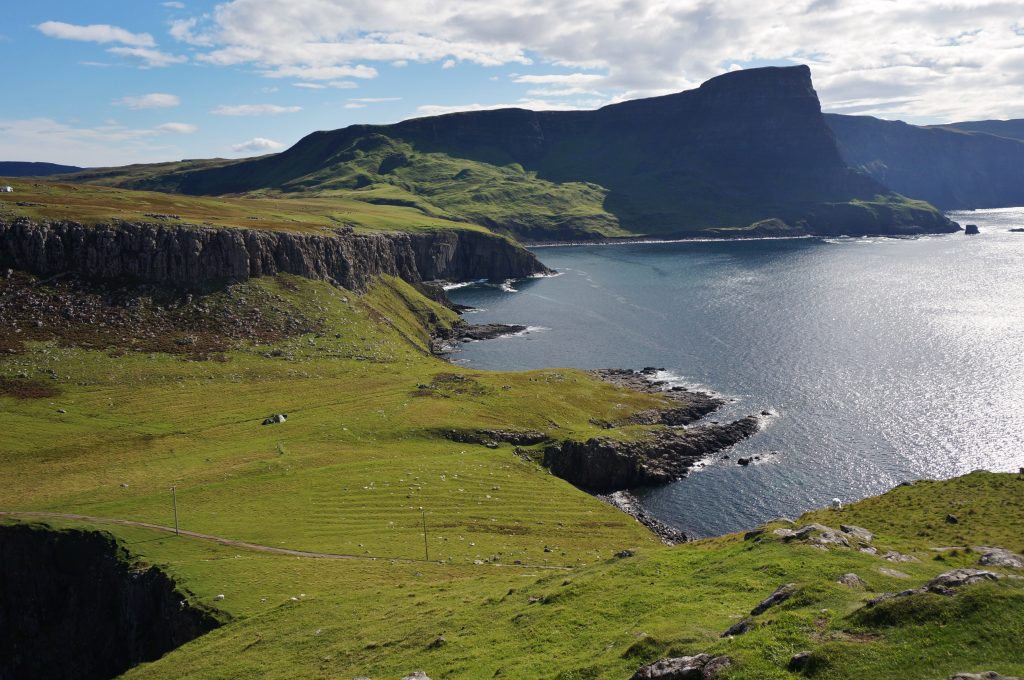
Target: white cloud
[
  {"x": 374, "y": 100},
  {"x": 948, "y": 59},
  {"x": 177, "y": 128},
  {"x": 156, "y": 100},
  {"x": 174, "y": 5},
  {"x": 448, "y": 63},
  {"x": 354, "y": 105},
  {"x": 150, "y": 58},
  {"x": 342, "y": 84},
  {"x": 98, "y": 33},
  {"x": 257, "y": 145},
  {"x": 322, "y": 72},
  {"x": 44, "y": 139},
  {"x": 560, "y": 79},
  {"x": 310, "y": 86},
  {"x": 253, "y": 109}
]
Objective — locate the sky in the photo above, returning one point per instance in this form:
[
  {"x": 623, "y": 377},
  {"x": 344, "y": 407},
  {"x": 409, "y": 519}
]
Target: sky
[{"x": 112, "y": 82}]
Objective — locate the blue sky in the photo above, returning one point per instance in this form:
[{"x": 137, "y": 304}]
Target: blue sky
[{"x": 114, "y": 82}]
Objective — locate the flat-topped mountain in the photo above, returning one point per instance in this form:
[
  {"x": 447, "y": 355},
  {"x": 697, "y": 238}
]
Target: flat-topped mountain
[
  {"x": 747, "y": 151},
  {"x": 961, "y": 165}
]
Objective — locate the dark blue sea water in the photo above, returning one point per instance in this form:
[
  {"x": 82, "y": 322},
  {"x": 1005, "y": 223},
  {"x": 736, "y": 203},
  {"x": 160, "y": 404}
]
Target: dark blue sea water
[{"x": 886, "y": 359}]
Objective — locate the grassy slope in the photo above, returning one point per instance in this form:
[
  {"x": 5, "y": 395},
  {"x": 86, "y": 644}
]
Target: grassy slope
[
  {"x": 358, "y": 457},
  {"x": 89, "y": 204}
]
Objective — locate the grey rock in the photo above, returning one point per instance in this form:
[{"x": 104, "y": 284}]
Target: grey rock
[
  {"x": 699, "y": 667},
  {"x": 952, "y": 519},
  {"x": 986, "y": 675},
  {"x": 276, "y": 418},
  {"x": 946, "y": 583},
  {"x": 416, "y": 675},
  {"x": 739, "y": 628},
  {"x": 857, "y": 532},
  {"x": 958, "y": 578},
  {"x": 851, "y": 580},
  {"x": 781, "y": 594},
  {"x": 799, "y": 662},
  {"x": 999, "y": 557}
]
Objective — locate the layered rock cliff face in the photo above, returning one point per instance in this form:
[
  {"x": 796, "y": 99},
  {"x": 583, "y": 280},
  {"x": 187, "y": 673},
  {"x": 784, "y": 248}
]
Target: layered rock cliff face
[
  {"x": 602, "y": 464},
  {"x": 197, "y": 258},
  {"x": 73, "y": 606}
]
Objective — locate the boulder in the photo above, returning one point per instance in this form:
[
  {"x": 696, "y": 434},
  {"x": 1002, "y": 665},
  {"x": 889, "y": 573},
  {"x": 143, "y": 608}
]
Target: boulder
[
  {"x": 416, "y": 675},
  {"x": 799, "y": 662},
  {"x": 986, "y": 675},
  {"x": 999, "y": 557},
  {"x": 851, "y": 580},
  {"x": 699, "y": 667},
  {"x": 971, "y": 229},
  {"x": 739, "y": 628},
  {"x": 781, "y": 594},
  {"x": 946, "y": 582}
]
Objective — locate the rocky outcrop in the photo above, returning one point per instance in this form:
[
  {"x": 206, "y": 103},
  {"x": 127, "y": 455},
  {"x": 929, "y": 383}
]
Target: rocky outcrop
[
  {"x": 72, "y": 605},
  {"x": 603, "y": 464},
  {"x": 946, "y": 583},
  {"x": 199, "y": 257},
  {"x": 699, "y": 667},
  {"x": 630, "y": 504}
]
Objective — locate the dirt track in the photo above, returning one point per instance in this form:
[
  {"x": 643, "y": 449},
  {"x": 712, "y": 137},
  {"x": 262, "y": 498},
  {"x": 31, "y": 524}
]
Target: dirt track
[{"x": 243, "y": 544}]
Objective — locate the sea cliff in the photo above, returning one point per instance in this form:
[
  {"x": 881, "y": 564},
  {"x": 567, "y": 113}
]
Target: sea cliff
[{"x": 200, "y": 257}]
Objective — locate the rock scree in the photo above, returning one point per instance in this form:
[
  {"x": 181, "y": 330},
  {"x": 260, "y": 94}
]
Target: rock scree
[{"x": 73, "y": 605}]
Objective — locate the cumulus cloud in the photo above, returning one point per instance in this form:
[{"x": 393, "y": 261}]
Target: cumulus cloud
[
  {"x": 949, "y": 59},
  {"x": 253, "y": 109},
  {"x": 177, "y": 128},
  {"x": 98, "y": 33},
  {"x": 156, "y": 100},
  {"x": 257, "y": 145}
]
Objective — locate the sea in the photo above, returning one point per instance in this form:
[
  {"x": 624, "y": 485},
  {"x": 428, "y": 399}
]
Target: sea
[{"x": 885, "y": 359}]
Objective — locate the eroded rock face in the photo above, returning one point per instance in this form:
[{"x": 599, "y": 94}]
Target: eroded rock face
[
  {"x": 73, "y": 606},
  {"x": 199, "y": 257},
  {"x": 603, "y": 464}
]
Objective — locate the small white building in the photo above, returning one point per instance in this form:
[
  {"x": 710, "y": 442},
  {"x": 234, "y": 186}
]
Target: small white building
[{"x": 7, "y": 189}]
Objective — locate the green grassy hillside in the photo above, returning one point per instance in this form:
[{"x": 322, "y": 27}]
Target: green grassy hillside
[{"x": 98, "y": 427}]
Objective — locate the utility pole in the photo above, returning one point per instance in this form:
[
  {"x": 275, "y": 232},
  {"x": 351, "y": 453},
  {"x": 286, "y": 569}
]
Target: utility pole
[
  {"x": 426, "y": 550},
  {"x": 174, "y": 503}
]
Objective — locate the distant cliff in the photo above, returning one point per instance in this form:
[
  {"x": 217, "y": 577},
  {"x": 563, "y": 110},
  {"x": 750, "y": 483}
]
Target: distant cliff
[
  {"x": 955, "y": 166},
  {"x": 29, "y": 169},
  {"x": 194, "y": 257},
  {"x": 742, "y": 148}
]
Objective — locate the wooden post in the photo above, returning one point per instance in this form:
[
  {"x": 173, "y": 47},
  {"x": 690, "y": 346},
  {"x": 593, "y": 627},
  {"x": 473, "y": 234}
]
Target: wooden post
[
  {"x": 426, "y": 550},
  {"x": 174, "y": 503}
]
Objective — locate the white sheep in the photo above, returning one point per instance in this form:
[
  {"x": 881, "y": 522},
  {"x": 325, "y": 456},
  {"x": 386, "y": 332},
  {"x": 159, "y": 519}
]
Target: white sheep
[{"x": 837, "y": 504}]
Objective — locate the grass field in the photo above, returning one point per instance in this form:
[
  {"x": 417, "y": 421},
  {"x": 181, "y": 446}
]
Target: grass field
[
  {"x": 92, "y": 204},
  {"x": 104, "y": 432}
]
